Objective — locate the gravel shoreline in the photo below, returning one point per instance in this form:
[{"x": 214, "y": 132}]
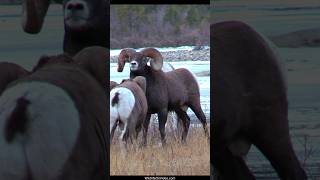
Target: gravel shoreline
[{"x": 181, "y": 55}]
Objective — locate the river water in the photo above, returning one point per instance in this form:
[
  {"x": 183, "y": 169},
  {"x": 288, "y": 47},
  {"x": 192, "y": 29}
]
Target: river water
[{"x": 195, "y": 67}]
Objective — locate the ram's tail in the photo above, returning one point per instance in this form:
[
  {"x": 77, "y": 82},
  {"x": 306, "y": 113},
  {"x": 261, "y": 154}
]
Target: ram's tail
[
  {"x": 115, "y": 99},
  {"x": 17, "y": 121}
]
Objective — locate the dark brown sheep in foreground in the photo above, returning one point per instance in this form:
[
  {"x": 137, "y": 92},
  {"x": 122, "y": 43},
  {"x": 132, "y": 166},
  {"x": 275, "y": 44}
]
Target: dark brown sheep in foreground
[
  {"x": 53, "y": 121},
  {"x": 175, "y": 90},
  {"x": 250, "y": 104}
]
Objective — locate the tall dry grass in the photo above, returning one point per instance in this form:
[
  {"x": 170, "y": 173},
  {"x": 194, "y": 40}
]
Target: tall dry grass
[{"x": 192, "y": 158}]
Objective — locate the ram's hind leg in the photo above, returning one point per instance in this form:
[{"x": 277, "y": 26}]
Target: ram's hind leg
[
  {"x": 112, "y": 129},
  {"x": 123, "y": 139},
  {"x": 273, "y": 140},
  {"x": 229, "y": 166},
  {"x": 196, "y": 108},
  {"x": 182, "y": 116}
]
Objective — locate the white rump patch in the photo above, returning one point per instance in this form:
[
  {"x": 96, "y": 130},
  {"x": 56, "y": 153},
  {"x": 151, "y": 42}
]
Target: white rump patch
[
  {"x": 123, "y": 108},
  {"x": 52, "y": 130}
]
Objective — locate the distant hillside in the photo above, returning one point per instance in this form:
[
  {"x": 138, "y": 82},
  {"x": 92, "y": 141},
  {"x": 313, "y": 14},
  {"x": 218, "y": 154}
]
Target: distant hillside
[
  {"x": 10, "y": 1},
  {"x": 159, "y": 25},
  {"x": 156, "y": 25},
  {"x": 19, "y": 1},
  {"x": 300, "y": 38}
]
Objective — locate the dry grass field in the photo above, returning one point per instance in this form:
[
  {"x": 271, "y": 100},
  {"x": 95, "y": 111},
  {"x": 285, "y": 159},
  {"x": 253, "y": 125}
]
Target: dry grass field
[{"x": 192, "y": 158}]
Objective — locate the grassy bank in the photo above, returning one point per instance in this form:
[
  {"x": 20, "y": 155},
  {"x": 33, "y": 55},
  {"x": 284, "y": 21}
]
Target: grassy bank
[{"x": 192, "y": 158}]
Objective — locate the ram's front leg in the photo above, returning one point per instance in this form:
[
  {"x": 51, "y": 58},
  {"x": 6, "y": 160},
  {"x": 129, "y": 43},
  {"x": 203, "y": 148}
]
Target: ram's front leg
[
  {"x": 145, "y": 129},
  {"x": 162, "y": 118}
]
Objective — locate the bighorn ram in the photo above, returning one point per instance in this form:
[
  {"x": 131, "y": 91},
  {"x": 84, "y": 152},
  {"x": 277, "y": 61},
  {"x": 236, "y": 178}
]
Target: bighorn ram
[
  {"x": 250, "y": 104},
  {"x": 167, "y": 67},
  {"x": 128, "y": 108},
  {"x": 171, "y": 91},
  {"x": 86, "y": 22},
  {"x": 53, "y": 121}
]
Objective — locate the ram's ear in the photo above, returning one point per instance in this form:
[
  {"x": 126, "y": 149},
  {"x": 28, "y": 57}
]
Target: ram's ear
[
  {"x": 94, "y": 60},
  {"x": 141, "y": 81},
  {"x": 54, "y": 59},
  {"x": 44, "y": 59},
  {"x": 10, "y": 72},
  {"x": 113, "y": 84}
]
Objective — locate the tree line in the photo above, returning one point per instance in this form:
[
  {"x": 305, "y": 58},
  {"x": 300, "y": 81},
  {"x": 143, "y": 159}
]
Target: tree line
[
  {"x": 14, "y": 2},
  {"x": 159, "y": 25},
  {"x": 155, "y": 25}
]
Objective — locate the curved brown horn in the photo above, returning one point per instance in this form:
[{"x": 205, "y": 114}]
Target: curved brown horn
[
  {"x": 123, "y": 56},
  {"x": 157, "y": 59},
  {"x": 94, "y": 60},
  {"x": 33, "y": 13}
]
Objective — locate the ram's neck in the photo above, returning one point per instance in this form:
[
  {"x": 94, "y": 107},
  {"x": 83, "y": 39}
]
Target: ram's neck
[
  {"x": 146, "y": 72},
  {"x": 76, "y": 41}
]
